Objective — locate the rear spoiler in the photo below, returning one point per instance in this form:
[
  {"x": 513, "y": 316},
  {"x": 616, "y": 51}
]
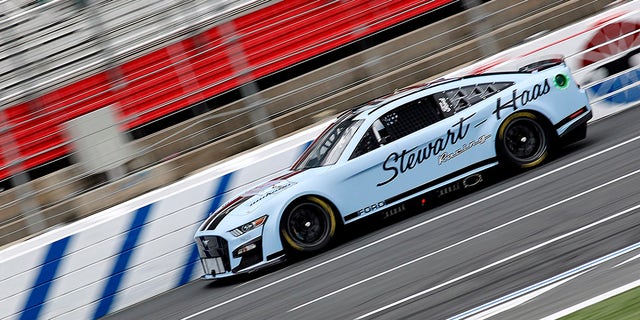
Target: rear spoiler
[{"x": 542, "y": 64}]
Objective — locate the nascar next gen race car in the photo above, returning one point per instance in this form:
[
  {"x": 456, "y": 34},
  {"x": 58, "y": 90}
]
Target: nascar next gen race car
[{"x": 386, "y": 156}]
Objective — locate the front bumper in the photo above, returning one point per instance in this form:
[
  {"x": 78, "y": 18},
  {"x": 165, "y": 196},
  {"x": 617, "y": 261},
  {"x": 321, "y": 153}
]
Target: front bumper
[
  {"x": 220, "y": 257},
  {"x": 253, "y": 268}
]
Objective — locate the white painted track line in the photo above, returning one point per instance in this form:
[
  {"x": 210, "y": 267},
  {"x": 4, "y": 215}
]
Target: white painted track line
[
  {"x": 509, "y": 301},
  {"x": 377, "y": 275},
  {"x": 521, "y": 253},
  {"x": 593, "y": 301}
]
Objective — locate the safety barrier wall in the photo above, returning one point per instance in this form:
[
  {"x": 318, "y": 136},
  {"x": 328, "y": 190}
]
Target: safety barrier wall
[
  {"x": 144, "y": 247},
  {"x": 132, "y": 251}
]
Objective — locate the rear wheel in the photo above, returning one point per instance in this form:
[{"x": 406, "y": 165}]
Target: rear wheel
[
  {"x": 308, "y": 225},
  {"x": 524, "y": 140}
]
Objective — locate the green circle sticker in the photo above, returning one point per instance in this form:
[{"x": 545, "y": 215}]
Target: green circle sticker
[{"x": 561, "y": 81}]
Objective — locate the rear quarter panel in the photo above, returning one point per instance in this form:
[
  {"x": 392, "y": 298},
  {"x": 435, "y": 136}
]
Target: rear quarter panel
[{"x": 538, "y": 92}]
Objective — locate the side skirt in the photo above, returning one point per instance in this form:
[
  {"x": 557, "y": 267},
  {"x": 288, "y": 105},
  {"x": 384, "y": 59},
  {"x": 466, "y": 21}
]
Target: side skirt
[{"x": 438, "y": 189}]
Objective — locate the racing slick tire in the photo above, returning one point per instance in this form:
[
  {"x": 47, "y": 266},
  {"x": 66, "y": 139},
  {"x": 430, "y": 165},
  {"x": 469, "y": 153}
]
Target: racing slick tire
[
  {"x": 308, "y": 225},
  {"x": 524, "y": 140}
]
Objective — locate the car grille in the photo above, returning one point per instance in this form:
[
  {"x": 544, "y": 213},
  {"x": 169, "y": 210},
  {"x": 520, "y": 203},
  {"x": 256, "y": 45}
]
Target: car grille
[{"x": 214, "y": 254}]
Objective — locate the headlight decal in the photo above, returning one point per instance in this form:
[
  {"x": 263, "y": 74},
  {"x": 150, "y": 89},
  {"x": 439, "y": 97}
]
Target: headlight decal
[{"x": 248, "y": 226}]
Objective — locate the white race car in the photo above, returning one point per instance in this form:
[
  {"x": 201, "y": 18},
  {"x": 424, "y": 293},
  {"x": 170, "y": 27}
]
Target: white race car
[{"x": 387, "y": 156}]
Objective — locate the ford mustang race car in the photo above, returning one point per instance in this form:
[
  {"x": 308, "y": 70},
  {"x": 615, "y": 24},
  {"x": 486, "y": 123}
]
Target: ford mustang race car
[{"x": 390, "y": 155}]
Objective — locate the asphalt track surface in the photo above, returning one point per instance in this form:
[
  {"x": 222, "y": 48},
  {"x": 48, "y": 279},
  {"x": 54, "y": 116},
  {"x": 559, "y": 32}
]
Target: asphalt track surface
[{"x": 478, "y": 248}]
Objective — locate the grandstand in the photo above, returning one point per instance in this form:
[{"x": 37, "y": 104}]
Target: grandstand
[{"x": 161, "y": 62}]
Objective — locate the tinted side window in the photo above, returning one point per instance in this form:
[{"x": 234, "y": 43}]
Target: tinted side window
[
  {"x": 366, "y": 144},
  {"x": 401, "y": 121},
  {"x": 464, "y": 97},
  {"x": 411, "y": 117}
]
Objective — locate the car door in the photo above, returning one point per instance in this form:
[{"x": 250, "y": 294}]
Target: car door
[
  {"x": 355, "y": 187},
  {"x": 416, "y": 146},
  {"x": 373, "y": 174},
  {"x": 423, "y": 130},
  {"x": 434, "y": 138},
  {"x": 460, "y": 140}
]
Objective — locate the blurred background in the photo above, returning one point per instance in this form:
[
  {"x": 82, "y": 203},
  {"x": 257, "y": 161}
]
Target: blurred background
[{"x": 101, "y": 101}]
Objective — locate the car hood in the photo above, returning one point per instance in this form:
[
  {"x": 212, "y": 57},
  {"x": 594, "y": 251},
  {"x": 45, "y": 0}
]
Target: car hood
[{"x": 253, "y": 199}]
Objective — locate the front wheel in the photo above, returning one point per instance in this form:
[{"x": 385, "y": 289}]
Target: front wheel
[
  {"x": 523, "y": 141},
  {"x": 309, "y": 225}
]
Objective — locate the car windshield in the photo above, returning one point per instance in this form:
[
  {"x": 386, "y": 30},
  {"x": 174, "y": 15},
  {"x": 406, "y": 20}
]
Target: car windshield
[{"x": 327, "y": 148}]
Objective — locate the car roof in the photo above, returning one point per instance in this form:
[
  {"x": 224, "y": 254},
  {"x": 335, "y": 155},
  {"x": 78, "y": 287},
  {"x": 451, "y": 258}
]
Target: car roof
[
  {"x": 386, "y": 102},
  {"x": 365, "y": 110}
]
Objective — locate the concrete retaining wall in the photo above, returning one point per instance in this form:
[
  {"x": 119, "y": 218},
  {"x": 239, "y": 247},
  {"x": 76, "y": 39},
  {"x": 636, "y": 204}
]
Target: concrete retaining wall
[{"x": 132, "y": 251}]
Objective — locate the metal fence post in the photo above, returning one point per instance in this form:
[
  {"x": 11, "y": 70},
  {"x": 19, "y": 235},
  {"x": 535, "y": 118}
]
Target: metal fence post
[
  {"x": 103, "y": 42},
  {"x": 475, "y": 16},
  {"x": 29, "y": 207},
  {"x": 248, "y": 87}
]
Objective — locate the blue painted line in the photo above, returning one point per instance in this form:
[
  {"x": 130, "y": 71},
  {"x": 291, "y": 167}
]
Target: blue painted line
[
  {"x": 122, "y": 263},
  {"x": 47, "y": 273},
  {"x": 631, "y": 94},
  {"x": 216, "y": 201}
]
